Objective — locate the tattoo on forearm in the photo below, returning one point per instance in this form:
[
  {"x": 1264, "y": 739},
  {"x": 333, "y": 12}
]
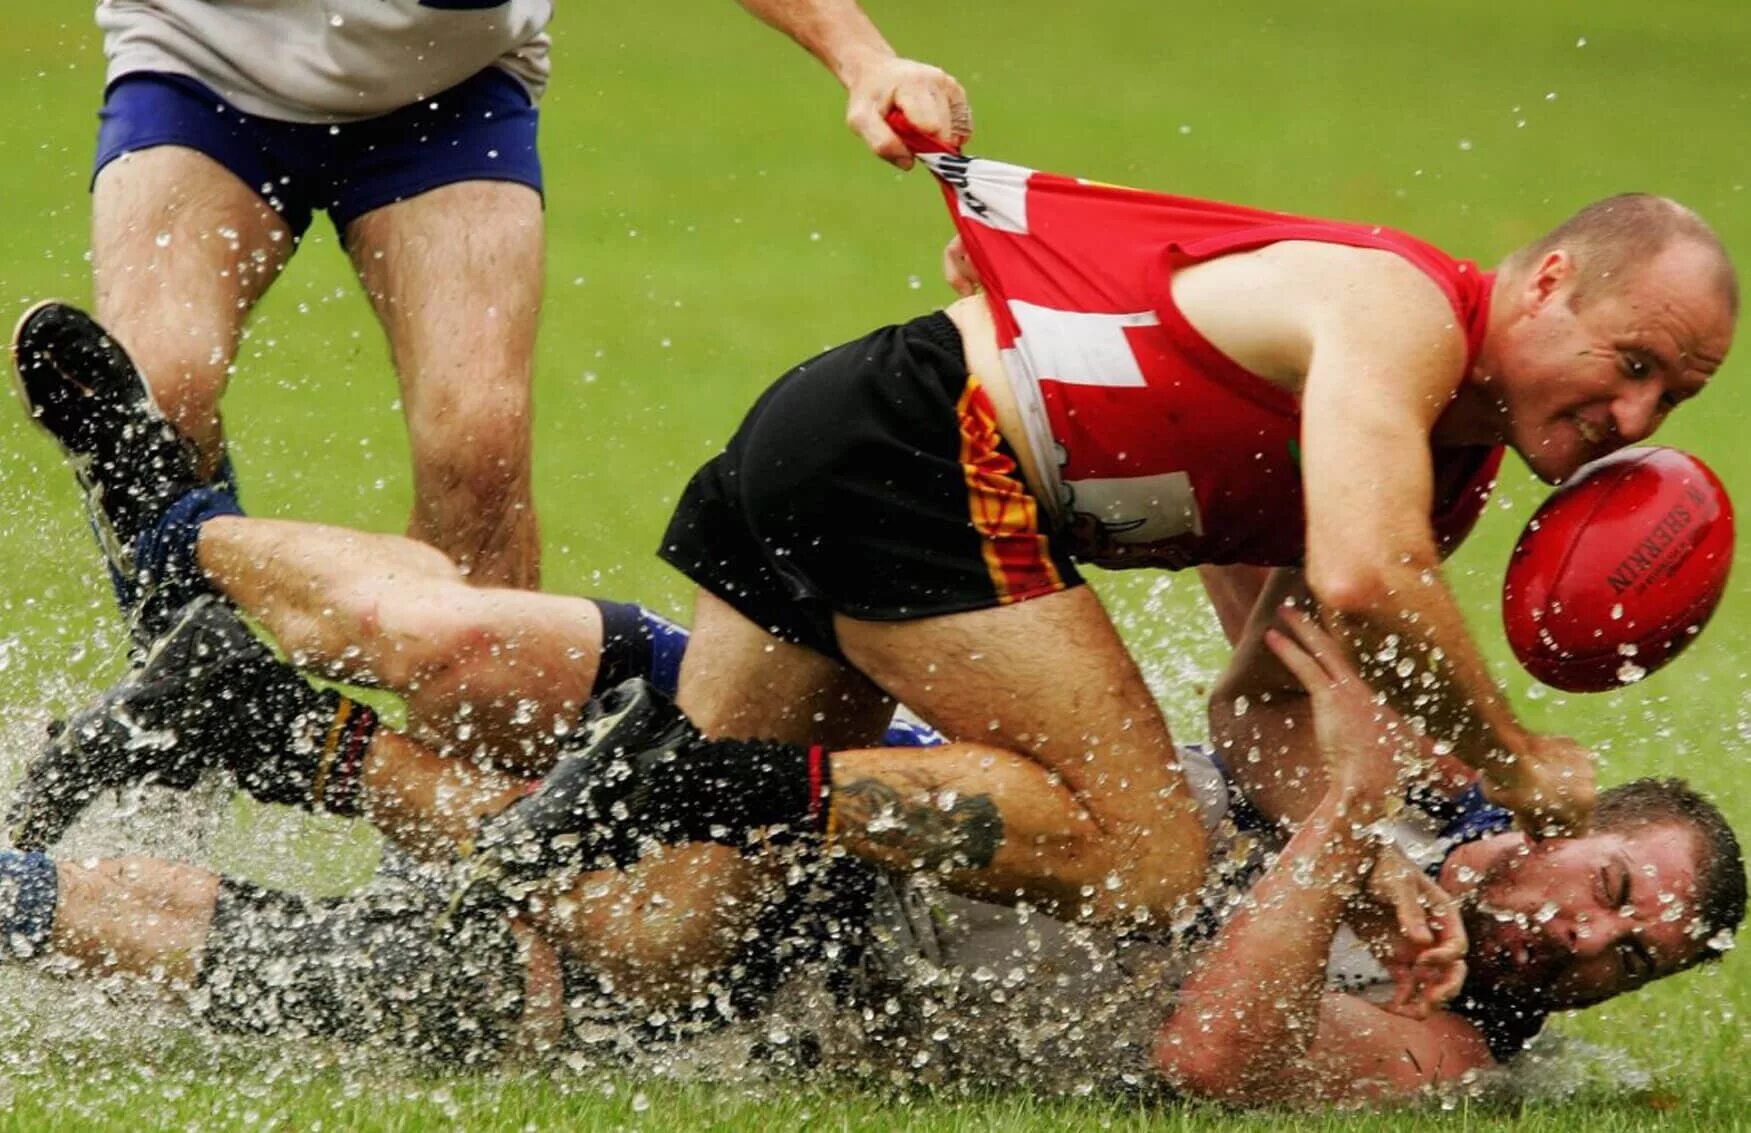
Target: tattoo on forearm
[{"x": 959, "y": 831}]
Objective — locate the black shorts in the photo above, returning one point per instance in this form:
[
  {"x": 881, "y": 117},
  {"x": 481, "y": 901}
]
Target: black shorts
[
  {"x": 871, "y": 482},
  {"x": 391, "y": 966}
]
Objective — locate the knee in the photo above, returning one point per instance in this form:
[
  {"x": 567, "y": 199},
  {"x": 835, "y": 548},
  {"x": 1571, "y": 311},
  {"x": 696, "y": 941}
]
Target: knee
[
  {"x": 404, "y": 634},
  {"x": 449, "y": 658},
  {"x": 1159, "y": 868},
  {"x": 476, "y": 446},
  {"x": 462, "y": 677},
  {"x": 186, "y": 362}
]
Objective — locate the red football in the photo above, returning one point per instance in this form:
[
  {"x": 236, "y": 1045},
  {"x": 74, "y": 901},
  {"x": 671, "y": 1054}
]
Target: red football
[{"x": 1619, "y": 569}]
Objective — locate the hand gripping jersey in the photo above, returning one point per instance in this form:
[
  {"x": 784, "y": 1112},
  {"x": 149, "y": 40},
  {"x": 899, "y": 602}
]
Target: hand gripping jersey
[
  {"x": 1152, "y": 446},
  {"x": 337, "y": 61}
]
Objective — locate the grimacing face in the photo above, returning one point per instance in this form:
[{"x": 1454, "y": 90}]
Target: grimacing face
[
  {"x": 1572, "y": 384},
  {"x": 1572, "y": 921}
]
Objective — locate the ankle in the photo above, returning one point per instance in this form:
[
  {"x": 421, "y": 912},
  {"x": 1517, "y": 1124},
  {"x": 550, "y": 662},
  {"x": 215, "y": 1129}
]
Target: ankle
[
  {"x": 744, "y": 785},
  {"x": 308, "y": 745},
  {"x": 29, "y": 893},
  {"x": 166, "y": 551}
]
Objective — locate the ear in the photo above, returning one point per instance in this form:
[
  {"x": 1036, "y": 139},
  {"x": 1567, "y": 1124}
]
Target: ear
[{"x": 1549, "y": 278}]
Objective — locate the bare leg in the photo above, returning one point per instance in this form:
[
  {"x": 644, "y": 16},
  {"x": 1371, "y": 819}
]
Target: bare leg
[
  {"x": 427, "y": 804},
  {"x": 745, "y": 682},
  {"x": 1098, "y": 819},
  {"x": 150, "y": 919},
  {"x": 664, "y": 926},
  {"x": 455, "y": 276},
  {"x": 655, "y": 929},
  {"x": 1065, "y": 791},
  {"x": 496, "y": 672},
  {"x": 143, "y": 917},
  {"x": 181, "y": 252},
  {"x": 990, "y": 822}
]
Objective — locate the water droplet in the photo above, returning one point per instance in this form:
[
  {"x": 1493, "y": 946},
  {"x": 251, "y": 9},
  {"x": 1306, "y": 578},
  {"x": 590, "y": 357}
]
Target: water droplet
[{"x": 162, "y": 239}]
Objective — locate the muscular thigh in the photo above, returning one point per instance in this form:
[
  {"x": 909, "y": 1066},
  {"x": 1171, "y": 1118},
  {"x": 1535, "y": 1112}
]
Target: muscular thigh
[
  {"x": 455, "y": 277},
  {"x": 739, "y": 680},
  {"x": 181, "y": 250},
  {"x": 390, "y": 611},
  {"x": 653, "y": 928},
  {"x": 508, "y": 669},
  {"x": 1048, "y": 678}
]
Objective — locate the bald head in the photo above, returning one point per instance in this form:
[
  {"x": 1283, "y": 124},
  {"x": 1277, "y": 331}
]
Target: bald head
[{"x": 1609, "y": 239}]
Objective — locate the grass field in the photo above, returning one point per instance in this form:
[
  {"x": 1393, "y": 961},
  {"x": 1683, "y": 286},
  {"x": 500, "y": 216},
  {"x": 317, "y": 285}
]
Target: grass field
[{"x": 710, "y": 222}]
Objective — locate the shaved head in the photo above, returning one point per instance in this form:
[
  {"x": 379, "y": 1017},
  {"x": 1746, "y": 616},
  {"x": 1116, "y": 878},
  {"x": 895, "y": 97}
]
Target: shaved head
[{"x": 1609, "y": 239}]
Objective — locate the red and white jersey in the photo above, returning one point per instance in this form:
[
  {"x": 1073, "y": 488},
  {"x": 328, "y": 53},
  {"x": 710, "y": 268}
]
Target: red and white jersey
[{"x": 1154, "y": 447}]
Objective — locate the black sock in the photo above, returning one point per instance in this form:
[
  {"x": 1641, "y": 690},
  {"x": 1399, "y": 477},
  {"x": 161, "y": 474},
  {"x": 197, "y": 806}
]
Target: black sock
[
  {"x": 299, "y": 745},
  {"x": 737, "y": 786},
  {"x": 346, "y": 729}
]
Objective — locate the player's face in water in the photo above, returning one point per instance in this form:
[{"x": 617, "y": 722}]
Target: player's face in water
[
  {"x": 1571, "y": 921},
  {"x": 1574, "y": 383}
]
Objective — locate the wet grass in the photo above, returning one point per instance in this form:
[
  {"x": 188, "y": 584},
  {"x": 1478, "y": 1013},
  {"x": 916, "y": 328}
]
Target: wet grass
[
  {"x": 710, "y": 224},
  {"x": 337, "y": 1100}
]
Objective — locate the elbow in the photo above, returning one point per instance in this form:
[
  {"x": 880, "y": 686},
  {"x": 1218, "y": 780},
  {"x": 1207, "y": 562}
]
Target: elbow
[
  {"x": 1221, "y": 710},
  {"x": 1196, "y": 1063},
  {"x": 1368, "y": 586},
  {"x": 1349, "y": 588}
]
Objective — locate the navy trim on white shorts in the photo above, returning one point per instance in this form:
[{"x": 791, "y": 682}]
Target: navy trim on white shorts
[{"x": 481, "y": 129}]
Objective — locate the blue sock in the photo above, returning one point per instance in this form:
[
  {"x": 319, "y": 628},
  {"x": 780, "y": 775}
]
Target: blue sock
[
  {"x": 29, "y": 887},
  {"x": 225, "y": 479},
  {"x": 165, "y": 552}
]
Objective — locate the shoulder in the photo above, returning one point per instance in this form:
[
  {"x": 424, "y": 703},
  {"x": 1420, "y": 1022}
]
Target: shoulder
[
  {"x": 1352, "y": 281},
  {"x": 1380, "y": 321},
  {"x": 1363, "y": 1052},
  {"x": 1505, "y": 1025},
  {"x": 1274, "y": 308}
]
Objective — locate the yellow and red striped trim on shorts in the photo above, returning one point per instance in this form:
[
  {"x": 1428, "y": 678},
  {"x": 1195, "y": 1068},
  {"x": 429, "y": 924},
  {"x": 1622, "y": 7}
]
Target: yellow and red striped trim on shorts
[{"x": 1004, "y": 513}]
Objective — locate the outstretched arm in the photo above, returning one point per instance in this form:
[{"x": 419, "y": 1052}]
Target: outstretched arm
[
  {"x": 843, "y": 38},
  {"x": 1252, "y": 1005},
  {"x": 1386, "y": 362}
]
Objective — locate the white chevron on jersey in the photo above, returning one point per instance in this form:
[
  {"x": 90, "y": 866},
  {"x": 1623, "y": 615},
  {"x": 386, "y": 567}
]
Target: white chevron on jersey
[{"x": 1079, "y": 347}]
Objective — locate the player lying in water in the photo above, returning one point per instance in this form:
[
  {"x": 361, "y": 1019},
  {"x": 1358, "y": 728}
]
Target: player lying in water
[
  {"x": 1656, "y": 887},
  {"x": 1272, "y": 1009}
]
